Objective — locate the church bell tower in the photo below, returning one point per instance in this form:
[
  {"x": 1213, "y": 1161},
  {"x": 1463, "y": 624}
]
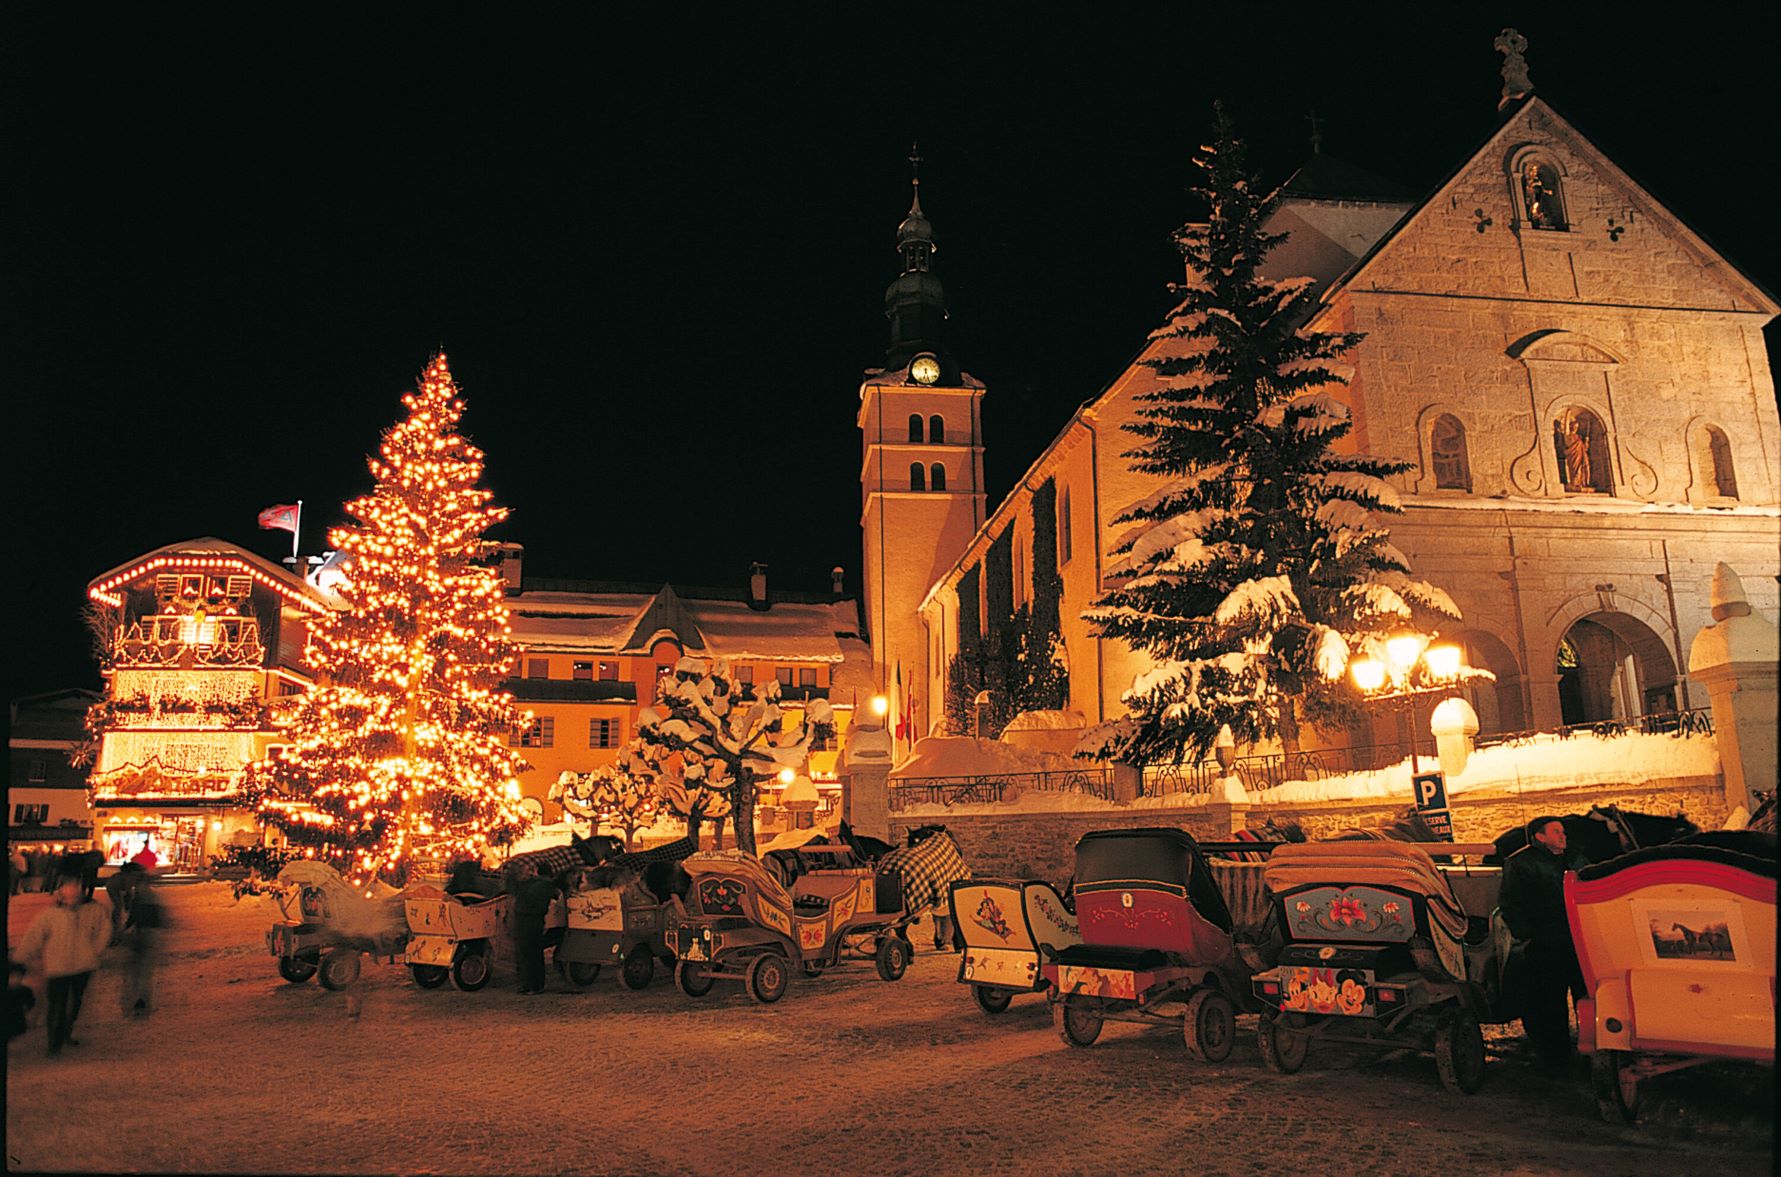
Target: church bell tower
[{"x": 921, "y": 480}]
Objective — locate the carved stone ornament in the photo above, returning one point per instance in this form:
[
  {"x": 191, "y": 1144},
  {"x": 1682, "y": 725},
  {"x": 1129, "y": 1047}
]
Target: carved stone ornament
[{"x": 1516, "y": 83}]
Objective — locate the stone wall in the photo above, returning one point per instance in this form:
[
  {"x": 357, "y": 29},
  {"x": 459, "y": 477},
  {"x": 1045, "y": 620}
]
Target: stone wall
[{"x": 1042, "y": 845}]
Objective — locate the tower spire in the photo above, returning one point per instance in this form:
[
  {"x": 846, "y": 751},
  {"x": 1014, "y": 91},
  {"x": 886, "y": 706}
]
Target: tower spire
[{"x": 915, "y": 303}]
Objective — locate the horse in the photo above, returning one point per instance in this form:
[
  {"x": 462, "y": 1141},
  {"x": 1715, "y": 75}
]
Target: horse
[
  {"x": 1408, "y": 826},
  {"x": 1606, "y": 831}
]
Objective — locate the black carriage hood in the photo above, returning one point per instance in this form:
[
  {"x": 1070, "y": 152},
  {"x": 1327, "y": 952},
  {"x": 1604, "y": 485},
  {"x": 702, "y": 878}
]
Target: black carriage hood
[
  {"x": 1156, "y": 854},
  {"x": 1747, "y": 850}
]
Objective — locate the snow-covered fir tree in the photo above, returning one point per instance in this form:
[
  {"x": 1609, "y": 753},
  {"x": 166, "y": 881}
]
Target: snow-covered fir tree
[
  {"x": 610, "y": 797},
  {"x": 709, "y": 748},
  {"x": 1258, "y": 567},
  {"x": 402, "y": 750}
]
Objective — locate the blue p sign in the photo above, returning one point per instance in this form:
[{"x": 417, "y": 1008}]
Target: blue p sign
[{"x": 1430, "y": 790}]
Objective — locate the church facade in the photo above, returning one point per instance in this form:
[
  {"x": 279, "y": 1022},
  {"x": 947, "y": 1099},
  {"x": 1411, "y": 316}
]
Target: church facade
[{"x": 1578, "y": 381}]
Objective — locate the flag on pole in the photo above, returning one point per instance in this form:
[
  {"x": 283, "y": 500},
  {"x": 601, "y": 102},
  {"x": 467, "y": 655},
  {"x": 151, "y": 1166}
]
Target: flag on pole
[{"x": 282, "y": 517}]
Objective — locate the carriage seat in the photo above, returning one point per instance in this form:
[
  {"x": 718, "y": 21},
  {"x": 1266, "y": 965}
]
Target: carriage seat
[{"x": 1107, "y": 956}]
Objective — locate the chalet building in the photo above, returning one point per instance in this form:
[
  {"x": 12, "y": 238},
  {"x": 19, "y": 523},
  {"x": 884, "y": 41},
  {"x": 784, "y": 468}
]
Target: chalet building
[
  {"x": 590, "y": 653},
  {"x": 1577, "y": 379},
  {"x": 202, "y": 640}
]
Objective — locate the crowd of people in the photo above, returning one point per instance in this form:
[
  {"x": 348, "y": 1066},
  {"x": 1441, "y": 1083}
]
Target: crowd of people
[{"x": 65, "y": 945}]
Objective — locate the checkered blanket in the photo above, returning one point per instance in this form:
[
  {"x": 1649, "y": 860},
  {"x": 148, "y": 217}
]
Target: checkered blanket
[
  {"x": 549, "y": 862},
  {"x": 667, "y": 852},
  {"x": 927, "y": 871}
]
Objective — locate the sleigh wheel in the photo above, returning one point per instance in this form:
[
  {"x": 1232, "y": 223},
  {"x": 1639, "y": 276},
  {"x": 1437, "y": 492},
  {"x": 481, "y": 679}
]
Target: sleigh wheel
[
  {"x": 1210, "y": 1028},
  {"x": 990, "y": 999}
]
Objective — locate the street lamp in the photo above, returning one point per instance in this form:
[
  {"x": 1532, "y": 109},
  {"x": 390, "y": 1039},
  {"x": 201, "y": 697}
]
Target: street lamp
[{"x": 1411, "y": 667}]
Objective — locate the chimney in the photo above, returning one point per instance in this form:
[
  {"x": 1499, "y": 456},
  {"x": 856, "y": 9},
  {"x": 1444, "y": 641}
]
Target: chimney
[
  {"x": 835, "y": 580},
  {"x": 757, "y": 586},
  {"x": 512, "y": 555}
]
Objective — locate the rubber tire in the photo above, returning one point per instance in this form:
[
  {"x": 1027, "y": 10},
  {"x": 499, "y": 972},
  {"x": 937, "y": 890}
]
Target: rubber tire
[
  {"x": 1283, "y": 1050},
  {"x": 692, "y": 979},
  {"x": 814, "y": 968},
  {"x": 990, "y": 999},
  {"x": 892, "y": 958},
  {"x": 429, "y": 976},
  {"x": 768, "y": 975},
  {"x": 338, "y": 970},
  {"x": 1459, "y": 1052},
  {"x": 583, "y": 973},
  {"x": 296, "y": 970},
  {"x": 1616, "y": 1090},
  {"x": 639, "y": 967},
  {"x": 1078, "y": 1023},
  {"x": 471, "y": 971},
  {"x": 1210, "y": 1027}
]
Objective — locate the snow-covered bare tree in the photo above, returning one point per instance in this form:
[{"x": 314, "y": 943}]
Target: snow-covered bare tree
[
  {"x": 611, "y": 797},
  {"x": 708, "y": 747},
  {"x": 1258, "y": 566}
]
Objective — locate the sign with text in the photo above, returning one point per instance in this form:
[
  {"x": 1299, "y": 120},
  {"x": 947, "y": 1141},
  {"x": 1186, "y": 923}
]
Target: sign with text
[{"x": 1430, "y": 791}]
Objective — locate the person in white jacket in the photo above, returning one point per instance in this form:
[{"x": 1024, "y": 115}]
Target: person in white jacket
[{"x": 67, "y": 941}]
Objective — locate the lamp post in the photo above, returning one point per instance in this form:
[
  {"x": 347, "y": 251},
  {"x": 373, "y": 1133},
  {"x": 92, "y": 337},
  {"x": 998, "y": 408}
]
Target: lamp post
[{"x": 1411, "y": 668}]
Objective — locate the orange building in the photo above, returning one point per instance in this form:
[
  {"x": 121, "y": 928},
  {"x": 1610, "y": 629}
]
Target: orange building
[{"x": 592, "y": 651}]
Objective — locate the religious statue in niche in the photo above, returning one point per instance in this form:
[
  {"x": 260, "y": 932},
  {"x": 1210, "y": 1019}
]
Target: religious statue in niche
[
  {"x": 1540, "y": 195},
  {"x": 1579, "y": 443}
]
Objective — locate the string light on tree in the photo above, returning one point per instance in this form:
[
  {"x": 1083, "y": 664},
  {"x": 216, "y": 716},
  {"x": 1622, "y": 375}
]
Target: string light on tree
[{"x": 402, "y": 751}]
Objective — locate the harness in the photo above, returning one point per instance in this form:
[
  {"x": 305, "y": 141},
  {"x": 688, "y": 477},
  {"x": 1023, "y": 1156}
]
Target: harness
[{"x": 1617, "y": 825}]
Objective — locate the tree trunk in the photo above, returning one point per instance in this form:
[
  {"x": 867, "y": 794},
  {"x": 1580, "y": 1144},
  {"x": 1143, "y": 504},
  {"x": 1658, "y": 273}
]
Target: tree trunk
[
  {"x": 742, "y": 814},
  {"x": 692, "y": 827},
  {"x": 1288, "y": 723}
]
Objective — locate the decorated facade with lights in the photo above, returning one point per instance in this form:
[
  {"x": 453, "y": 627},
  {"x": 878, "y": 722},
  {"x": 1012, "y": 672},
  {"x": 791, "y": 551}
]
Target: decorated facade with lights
[{"x": 202, "y": 649}]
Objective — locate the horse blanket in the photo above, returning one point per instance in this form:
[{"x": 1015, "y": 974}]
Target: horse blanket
[
  {"x": 549, "y": 862},
  {"x": 927, "y": 871},
  {"x": 667, "y": 852}
]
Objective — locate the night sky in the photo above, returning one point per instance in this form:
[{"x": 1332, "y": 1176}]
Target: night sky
[{"x": 656, "y": 252}]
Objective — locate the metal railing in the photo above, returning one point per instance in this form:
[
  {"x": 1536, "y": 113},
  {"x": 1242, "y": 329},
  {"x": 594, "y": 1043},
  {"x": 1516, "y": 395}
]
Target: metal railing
[
  {"x": 1695, "y": 722},
  {"x": 965, "y": 790}
]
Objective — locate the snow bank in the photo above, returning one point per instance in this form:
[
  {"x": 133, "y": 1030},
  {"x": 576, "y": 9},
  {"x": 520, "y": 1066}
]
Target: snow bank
[
  {"x": 1045, "y": 731},
  {"x": 950, "y": 756},
  {"x": 1541, "y": 763}
]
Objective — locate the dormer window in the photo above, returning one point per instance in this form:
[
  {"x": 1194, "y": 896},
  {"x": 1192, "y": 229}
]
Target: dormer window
[{"x": 1542, "y": 194}]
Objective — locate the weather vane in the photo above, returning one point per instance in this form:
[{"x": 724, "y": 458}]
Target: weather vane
[{"x": 1516, "y": 83}]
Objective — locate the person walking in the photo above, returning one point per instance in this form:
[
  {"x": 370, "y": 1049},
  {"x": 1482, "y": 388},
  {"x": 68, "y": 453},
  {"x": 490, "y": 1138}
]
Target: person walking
[
  {"x": 67, "y": 941},
  {"x": 143, "y": 928},
  {"x": 1533, "y": 905},
  {"x": 16, "y": 870},
  {"x": 532, "y": 898}
]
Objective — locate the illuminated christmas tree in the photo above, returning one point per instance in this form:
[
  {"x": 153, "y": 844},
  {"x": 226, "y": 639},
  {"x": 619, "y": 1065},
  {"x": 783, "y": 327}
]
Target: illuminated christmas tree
[{"x": 401, "y": 752}]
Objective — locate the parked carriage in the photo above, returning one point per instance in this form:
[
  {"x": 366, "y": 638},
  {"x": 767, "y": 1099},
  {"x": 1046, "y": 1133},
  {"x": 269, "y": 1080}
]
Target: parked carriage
[
  {"x": 1382, "y": 947},
  {"x": 1010, "y": 928},
  {"x": 1677, "y": 948},
  {"x": 619, "y": 915},
  {"x": 1159, "y": 943},
  {"x": 455, "y": 935},
  {"x": 735, "y": 922},
  {"x": 326, "y": 924}
]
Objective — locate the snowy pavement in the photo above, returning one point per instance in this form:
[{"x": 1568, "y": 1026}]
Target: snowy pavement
[{"x": 239, "y": 1072}]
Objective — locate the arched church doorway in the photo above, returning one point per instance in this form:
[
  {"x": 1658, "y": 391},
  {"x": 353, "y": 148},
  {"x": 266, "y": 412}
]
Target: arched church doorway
[
  {"x": 1613, "y": 666},
  {"x": 1499, "y": 704}
]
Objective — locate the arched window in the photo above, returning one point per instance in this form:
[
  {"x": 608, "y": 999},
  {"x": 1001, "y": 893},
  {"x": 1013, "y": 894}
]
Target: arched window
[
  {"x": 1447, "y": 454},
  {"x": 1719, "y": 455},
  {"x": 936, "y": 430},
  {"x": 1580, "y": 444},
  {"x": 937, "y": 477},
  {"x": 1542, "y": 194},
  {"x": 917, "y": 476},
  {"x": 915, "y": 427}
]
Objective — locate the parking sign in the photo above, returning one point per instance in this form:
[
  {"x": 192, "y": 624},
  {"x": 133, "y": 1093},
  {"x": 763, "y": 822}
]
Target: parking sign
[{"x": 1430, "y": 790}]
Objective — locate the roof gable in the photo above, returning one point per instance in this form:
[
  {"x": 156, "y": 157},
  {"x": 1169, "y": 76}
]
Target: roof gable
[{"x": 1622, "y": 247}]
